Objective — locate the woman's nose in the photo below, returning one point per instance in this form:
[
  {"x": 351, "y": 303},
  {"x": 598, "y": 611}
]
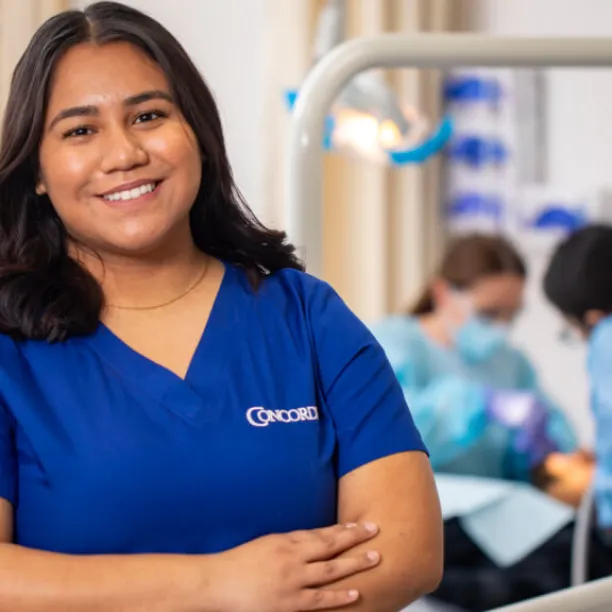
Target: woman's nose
[{"x": 122, "y": 151}]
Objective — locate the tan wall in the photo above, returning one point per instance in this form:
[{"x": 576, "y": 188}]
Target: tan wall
[{"x": 18, "y": 22}]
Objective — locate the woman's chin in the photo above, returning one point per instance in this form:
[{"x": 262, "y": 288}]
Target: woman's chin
[
  {"x": 136, "y": 246},
  {"x": 142, "y": 239}
]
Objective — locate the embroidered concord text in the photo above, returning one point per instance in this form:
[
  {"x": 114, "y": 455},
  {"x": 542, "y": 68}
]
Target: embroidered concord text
[{"x": 260, "y": 417}]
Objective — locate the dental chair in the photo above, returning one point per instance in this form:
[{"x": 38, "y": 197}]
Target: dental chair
[{"x": 594, "y": 596}]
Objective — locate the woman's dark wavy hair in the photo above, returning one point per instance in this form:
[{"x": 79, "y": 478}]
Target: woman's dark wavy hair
[{"x": 44, "y": 293}]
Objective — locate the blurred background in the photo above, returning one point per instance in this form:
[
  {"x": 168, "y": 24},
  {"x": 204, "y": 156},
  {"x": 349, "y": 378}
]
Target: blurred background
[{"x": 529, "y": 157}]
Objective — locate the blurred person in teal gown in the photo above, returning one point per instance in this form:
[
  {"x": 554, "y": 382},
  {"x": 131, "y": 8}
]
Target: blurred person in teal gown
[{"x": 476, "y": 397}]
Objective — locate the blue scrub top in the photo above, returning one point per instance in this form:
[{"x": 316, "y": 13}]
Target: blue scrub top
[{"x": 104, "y": 451}]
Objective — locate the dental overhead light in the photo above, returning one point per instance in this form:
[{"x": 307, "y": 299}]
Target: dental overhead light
[{"x": 366, "y": 119}]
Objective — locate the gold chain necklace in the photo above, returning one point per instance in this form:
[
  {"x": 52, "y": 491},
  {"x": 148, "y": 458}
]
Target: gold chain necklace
[{"x": 189, "y": 289}]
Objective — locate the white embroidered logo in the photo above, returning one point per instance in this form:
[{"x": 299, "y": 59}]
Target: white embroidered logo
[{"x": 260, "y": 417}]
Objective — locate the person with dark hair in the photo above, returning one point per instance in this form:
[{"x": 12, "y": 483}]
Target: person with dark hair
[
  {"x": 577, "y": 283},
  {"x": 478, "y": 405},
  {"x": 188, "y": 421}
]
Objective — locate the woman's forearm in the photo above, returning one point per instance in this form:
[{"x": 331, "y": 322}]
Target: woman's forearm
[
  {"x": 33, "y": 581},
  {"x": 406, "y": 573}
]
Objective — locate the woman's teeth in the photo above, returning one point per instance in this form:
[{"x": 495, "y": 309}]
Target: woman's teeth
[{"x": 131, "y": 194}]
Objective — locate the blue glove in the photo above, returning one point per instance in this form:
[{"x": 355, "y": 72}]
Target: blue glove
[{"x": 524, "y": 414}]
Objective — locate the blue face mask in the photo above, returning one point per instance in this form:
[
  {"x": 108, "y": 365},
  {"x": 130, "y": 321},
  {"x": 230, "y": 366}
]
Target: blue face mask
[{"x": 478, "y": 340}]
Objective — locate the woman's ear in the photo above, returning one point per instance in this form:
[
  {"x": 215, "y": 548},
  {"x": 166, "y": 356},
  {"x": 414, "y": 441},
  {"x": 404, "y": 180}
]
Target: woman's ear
[
  {"x": 40, "y": 188},
  {"x": 440, "y": 291}
]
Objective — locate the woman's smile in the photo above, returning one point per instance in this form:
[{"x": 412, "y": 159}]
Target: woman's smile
[{"x": 130, "y": 196}]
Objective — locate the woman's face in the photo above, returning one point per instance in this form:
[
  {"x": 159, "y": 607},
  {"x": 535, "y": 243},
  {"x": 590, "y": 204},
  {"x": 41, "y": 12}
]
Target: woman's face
[
  {"x": 117, "y": 159},
  {"x": 496, "y": 298}
]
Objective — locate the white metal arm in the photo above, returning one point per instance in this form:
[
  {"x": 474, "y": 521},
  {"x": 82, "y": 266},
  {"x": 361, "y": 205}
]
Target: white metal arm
[
  {"x": 303, "y": 200},
  {"x": 581, "y": 543}
]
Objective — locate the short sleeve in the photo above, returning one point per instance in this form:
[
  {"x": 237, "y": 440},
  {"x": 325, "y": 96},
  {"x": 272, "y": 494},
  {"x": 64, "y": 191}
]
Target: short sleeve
[
  {"x": 359, "y": 387},
  {"x": 8, "y": 459}
]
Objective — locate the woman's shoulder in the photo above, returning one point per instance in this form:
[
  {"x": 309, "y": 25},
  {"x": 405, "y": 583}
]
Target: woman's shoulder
[
  {"x": 15, "y": 368},
  {"x": 291, "y": 288},
  {"x": 290, "y": 280},
  {"x": 10, "y": 351},
  {"x": 22, "y": 359},
  {"x": 302, "y": 300},
  {"x": 295, "y": 294},
  {"x": 515, "y": 356}
]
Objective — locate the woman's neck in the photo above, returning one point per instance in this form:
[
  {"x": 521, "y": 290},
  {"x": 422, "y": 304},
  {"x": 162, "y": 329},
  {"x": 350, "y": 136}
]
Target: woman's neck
[
  {"x": 435, "y": 328},
  {"x": 136, "y": 282}
]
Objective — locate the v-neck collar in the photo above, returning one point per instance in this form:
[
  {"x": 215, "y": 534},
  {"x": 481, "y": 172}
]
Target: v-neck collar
[{"x": 194, "y": 397}]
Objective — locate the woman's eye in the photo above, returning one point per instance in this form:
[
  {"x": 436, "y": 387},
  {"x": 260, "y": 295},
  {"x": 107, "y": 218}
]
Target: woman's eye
[
  {"x": 78, "y": 132},
  {"x": 149, "y": 116}
]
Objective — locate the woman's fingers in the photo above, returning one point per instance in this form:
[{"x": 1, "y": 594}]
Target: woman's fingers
[
  {"x": 318, "y": 599},
  {"x": 329, "y": 542},
  {"x": 326, "y": 572}
]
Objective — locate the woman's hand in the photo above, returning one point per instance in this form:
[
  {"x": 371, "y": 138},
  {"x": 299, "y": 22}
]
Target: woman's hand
[{"x": 284, "y": 573}]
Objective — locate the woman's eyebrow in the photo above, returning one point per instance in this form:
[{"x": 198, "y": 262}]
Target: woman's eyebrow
[
  {"x": 92, "y": 111},
  {"x": 146, "y": 96},
  {"x": 75, "y": 111}
]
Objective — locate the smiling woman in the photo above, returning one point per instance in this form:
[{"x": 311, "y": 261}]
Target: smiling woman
[
  {"x": 150, "y": 329},
  {"x": 122, "y": 169}
]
